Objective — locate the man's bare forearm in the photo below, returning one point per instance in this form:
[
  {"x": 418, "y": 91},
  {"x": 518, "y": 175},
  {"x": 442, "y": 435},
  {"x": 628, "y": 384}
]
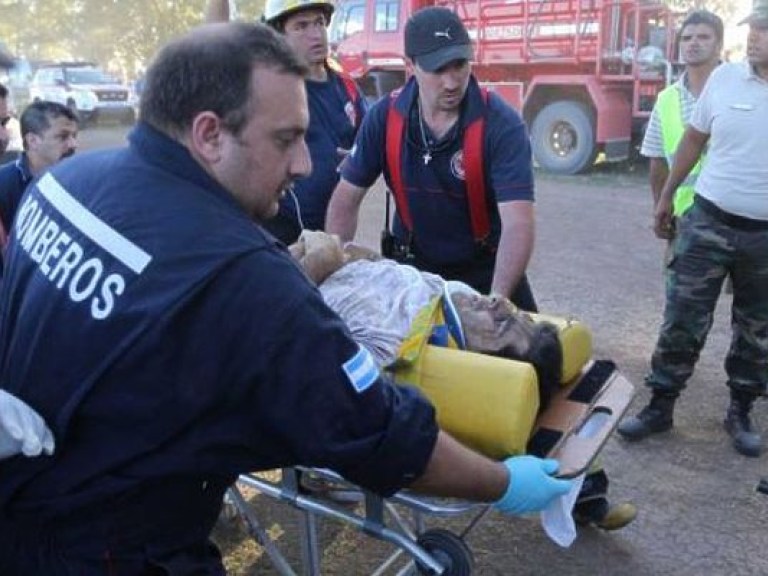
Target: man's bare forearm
[
  {"x": 456, "y": 471},
  {"x": 657, "y": 175},
  {"x": 515, "y": 246},
  {"x": 343, "y": 210}
]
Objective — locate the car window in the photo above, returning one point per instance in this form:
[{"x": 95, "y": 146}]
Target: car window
[{"x": 87, "y": 76}]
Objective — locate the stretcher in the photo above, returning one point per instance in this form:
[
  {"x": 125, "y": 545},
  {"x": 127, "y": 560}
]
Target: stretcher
[{"x": 573, "y": 429}]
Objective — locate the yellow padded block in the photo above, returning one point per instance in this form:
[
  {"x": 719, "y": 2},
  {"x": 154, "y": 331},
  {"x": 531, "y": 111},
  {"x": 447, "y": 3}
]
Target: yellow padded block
[
  {"x": 485, "y": 402},
  {"x": 576, "y": 340}
]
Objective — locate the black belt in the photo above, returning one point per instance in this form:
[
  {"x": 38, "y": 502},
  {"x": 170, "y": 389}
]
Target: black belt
[{"x": 732, "y": 220}]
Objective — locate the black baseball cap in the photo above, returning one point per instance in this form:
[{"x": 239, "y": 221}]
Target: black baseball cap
[{"x": 434, "y": 37}]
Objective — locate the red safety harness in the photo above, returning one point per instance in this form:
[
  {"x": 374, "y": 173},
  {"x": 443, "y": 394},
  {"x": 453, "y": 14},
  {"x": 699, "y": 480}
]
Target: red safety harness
[
  {"x": 473, "y": 168},
  {"x": 350, "y": 87}
]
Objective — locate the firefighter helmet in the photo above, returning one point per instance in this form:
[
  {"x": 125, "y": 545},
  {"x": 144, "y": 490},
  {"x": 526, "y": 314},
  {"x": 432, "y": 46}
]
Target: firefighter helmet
[{"x": 275, "y": 11}]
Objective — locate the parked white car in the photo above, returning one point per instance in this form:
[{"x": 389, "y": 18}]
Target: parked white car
[{"x": 86, "y": 89}]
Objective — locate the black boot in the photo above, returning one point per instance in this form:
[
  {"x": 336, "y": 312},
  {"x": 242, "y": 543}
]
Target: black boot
[
  {"x": 654, "y": 418},
  {"x": 738, "y": 425}
]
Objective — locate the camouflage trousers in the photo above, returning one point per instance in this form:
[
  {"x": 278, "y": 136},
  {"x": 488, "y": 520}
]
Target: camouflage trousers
[{"x": 710, "y": 246}]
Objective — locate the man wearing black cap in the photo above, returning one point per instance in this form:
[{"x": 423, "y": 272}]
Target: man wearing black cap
[
  {"x": 725, "y": 233},
  {"x": 435, "y": 215},
  {"x": 429, "y": 131}
]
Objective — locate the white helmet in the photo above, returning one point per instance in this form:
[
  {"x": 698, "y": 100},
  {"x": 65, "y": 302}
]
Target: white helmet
[{"x": 275, "y": 11}]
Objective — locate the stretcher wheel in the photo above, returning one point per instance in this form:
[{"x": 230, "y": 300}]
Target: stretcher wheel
[{"x": 449, "y": 550}]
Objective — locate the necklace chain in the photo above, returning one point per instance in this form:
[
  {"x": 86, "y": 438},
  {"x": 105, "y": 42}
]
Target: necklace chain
[{"x": 427, "y": 157}]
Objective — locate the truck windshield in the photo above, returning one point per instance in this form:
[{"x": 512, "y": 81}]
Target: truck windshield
[
  {"x": 87, "y": 76},
  {"x": 348, "y": 19}
]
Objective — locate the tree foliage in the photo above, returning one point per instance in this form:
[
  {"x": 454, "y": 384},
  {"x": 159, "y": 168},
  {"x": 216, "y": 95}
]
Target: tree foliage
[
  {"x": 123, "y": 34},
  {"x": 119, "y": 34},
  {"x": 726, "y": 9}
]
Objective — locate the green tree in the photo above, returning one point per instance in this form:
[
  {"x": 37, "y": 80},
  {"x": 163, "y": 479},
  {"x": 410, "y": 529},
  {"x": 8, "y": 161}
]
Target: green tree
[
  {"x": 119, "y": 34},
  {"x": 726, "y": 9}
]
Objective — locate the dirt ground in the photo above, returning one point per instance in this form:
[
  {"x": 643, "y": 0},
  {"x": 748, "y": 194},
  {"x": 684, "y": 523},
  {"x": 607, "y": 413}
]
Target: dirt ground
[{"x": 596, "y": 259}]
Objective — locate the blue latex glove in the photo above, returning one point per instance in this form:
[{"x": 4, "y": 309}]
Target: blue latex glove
[{"x": 531, "y": 485}]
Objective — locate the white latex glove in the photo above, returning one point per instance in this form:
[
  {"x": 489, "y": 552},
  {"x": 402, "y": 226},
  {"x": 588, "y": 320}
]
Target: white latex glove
[{"x": 22, "y": 430}]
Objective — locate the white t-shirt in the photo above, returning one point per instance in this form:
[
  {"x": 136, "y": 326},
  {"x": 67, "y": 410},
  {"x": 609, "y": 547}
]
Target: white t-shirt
[{"x": 733, "y": 110}]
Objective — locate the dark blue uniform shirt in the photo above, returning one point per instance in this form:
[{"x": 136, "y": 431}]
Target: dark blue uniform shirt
[
  {"x": 333, "y": 122},
  {"x": 436, "y": 191},
  {"x": 171, "y": 344},
  {"x": 14, "y": 179}
]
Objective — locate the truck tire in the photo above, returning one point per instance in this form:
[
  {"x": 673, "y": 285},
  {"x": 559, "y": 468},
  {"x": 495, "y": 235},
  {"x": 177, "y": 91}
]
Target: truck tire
[{"x": 563, "y": 138}]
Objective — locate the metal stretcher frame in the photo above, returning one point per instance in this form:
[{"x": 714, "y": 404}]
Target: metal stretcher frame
[
  {"x": 599, "y": 390},
  {"x": 376, "y": 517}
]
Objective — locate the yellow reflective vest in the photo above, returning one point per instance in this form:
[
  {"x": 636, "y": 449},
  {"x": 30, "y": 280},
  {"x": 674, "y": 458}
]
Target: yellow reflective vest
[{"x": 672, "y": 129}]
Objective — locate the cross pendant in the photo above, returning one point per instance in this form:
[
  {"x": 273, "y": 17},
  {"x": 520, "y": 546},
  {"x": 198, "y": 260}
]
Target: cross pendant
[{"x": 427, "y": 157}]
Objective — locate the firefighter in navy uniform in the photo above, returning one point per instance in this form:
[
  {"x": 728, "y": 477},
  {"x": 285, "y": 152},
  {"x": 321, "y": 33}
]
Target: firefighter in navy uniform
[
  {"x": 465, "y": 220},
  {"x": 464, "y": 196},
  {"x": 171, "y": 344},
  {"x": 336, "y": 109}
]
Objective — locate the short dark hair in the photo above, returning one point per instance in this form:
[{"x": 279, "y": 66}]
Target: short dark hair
[
  {"x": 210, "y": 69},
  {"x": 37, "y": 117},
  {"x": 3, "y": 91},
  {"x": 705, "y": 17}
]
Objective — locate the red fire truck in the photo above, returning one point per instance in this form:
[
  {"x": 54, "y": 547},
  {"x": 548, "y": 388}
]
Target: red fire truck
[{"x": 584, "y": 73}]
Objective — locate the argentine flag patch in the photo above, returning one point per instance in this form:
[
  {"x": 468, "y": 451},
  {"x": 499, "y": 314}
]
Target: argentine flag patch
[{"x": 361, "y": 370}]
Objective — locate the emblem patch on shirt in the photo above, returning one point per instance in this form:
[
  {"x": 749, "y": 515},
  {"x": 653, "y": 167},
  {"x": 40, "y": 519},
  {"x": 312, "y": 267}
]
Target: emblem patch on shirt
[
  {"x": 457, "y": 165},
  {"x": 361, "y": 370}
]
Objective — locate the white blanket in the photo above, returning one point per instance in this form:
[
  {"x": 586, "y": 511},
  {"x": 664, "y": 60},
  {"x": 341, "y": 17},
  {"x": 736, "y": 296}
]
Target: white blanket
[{"x": 379, "y": 300}]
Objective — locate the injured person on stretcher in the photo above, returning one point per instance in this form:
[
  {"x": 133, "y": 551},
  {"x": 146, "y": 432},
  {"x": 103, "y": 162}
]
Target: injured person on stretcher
[{"x": 386, "y": 305}]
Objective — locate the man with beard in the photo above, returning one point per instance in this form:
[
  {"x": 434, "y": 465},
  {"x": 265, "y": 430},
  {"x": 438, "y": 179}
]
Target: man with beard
[
  {"x": 172, "y": 344},
  {"x": 431, "y": 175},
  {"x": 437, "y": 208},
  {"x": 49, "y": 132},
  {"x": 336, "y": 109}
]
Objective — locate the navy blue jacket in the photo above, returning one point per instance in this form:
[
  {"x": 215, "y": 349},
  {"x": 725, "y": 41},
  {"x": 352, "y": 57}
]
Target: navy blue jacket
[
  {"x": 333, "y": 123},
  {"x": 14, "y": 179},
  {"x": 169, "y": 341}
]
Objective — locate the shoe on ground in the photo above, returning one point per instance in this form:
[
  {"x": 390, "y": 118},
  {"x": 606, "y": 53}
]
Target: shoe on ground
[
  {"x": 616, "y": 518},
  {"x": 746, "y": 440},
  {"x": 653, "y": 419}
]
